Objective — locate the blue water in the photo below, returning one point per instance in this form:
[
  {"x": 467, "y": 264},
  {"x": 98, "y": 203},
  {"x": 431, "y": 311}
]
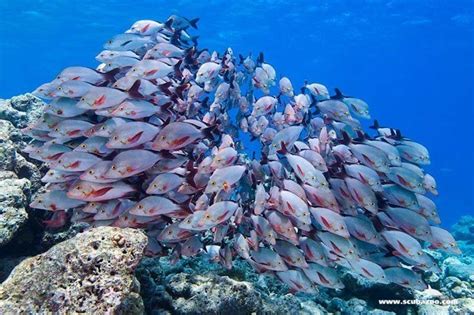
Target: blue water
[{"x": 412, "y": 61}]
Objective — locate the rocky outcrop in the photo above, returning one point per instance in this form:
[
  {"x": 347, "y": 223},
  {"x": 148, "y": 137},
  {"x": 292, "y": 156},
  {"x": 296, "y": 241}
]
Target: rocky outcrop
[
  {"x": 92, "y": 273},
  {"x": 13, "y": 198},
  {"x": 21, "y": 109}
]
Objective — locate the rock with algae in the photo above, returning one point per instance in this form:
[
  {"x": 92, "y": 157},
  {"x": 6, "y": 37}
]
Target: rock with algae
[{"x": 92, "y": 272}]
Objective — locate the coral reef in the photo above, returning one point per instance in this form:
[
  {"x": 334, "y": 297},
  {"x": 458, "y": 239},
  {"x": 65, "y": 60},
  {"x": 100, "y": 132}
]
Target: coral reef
[{"x": 92, "y": 272}]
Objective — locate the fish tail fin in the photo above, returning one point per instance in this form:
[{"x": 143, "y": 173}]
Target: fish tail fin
[
  {"x": 338, "y": 94},
  {"x": 375, "y": 125},
  {"x": 165, "y": 87},
  {"x": 346, "y": 139},
  {"x": 241, "y": 59},
  {"x": 260, "y": 59},
  {"x": 133, "y": 91},
  {"x": 110, "y": 75},
  {"x": 193, "y": 22},
  {"x": 284, "y": 149},
  {"x": 194, "y": 39},
  {"x": 168, "y": 24},
  {"x": 209, "y": 131},
  {"x": 177, "y": 70}
]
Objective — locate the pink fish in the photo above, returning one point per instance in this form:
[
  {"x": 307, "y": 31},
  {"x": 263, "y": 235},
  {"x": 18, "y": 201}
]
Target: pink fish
[
  {"x": 74, "y": 161},
  {"x": 131, "y": 134},
  {"x": 96, "y": 173},
  {"x": 290, "y": 254},
  {"x": 263, "y": 229},
  {"x": 164, "y": 183},
  {"x": 296, "y": 280},
  {"x": 88, "y": 191},
  {"x": 175, "y": 136},
  {"x": 131, "y": 162},
  {"x": 153, "y": 206},
  {"x": 330, "y": 221},
  {"x": 323, "y": 276},
  {"x": 55, "y": 200},
  {"x": 268, "y": 259}
]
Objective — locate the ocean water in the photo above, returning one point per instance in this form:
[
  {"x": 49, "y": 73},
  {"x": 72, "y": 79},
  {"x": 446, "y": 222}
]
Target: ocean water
[{"x": 412, "y": 61}]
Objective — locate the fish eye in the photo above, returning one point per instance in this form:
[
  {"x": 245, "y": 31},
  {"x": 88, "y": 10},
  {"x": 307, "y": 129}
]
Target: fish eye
[
  {"x": 351, "y": 251},
  {"x": 115, "y": 138},
  {"x": 110, "y": 41},
  {"x": 155, "y": 186},
  {"x": 91, "y": 172},
  {"x": 83, "y": 99},
  {"x": 452, "y": 244},
  {"x": 170, "y": 232},
  {"x": 78, "y": 188},
  {"x": 39, "y": 201},
  {"x": 109, "y": 64},
  {"x": 102, "y": 128},
  {"x": 50, "y": 173},
  {"x": 213, "y": 183},
  {"x": 208, "y": 216},
  {"x": 60, "y": 161},
  {"x": 134, "y": 69},
  {"x": 121, "y": 108},
  {"x": 163, "y": 137},
  {"x": 140, "y": 206},
  {"x": 84, "y": 145},
  {"x": 114, "y": 167},
  {"x": 60, "y": 88}
]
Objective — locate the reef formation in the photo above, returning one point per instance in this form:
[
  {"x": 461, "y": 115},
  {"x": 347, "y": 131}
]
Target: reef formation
[{"x": 207, "y": 154}]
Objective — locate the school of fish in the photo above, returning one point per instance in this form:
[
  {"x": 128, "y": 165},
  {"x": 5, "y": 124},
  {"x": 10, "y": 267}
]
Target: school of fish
[{"x": 158, "y": 137}]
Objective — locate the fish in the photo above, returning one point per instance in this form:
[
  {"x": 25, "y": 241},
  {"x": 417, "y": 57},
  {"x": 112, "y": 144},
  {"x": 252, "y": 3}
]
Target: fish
[
  {"x": 70, "y": 128},
  {"x": 362, "y": 194},
  {"x": 95, "y": 145},
  {"x": 296, "y": 280},
  {"x": 268, "y": 259},
  {"x": 407, "y": 179},
  {"x": 404, "y": 245},
  {"x": 88, "y": 191},
  {"x": 410, "y": 222},
  {"x": 290, "y": 254},
  {"x": 126, "y": 42},
  {"x": 306, "y": 172},
  {"x": 96, "y": 173},
  {"x": 131, "y": 162},
  {"x": 362, "y": 229},
  {"x": 164, "y": 183},
  {"x": 64, "y": 107},
  {"x": 369, "y": 270},
  {"x": 405, "y": 278},
  {"x": 442, "y": 239},
  {"x": 211, "y": 155},
  {"x": 113, "y": 209},
  {"x": 56, "y": 200},
  {"x": 74, "y": 161},
  {"x": 100, "y": 98},
  {"x": 224, "y": 178},
  {"x": 131, "y": 134},
  {"x": 323, "y": 276},
  {"x": 175, "y": 136},
  {"x": 313, "y": 251},
  {"x": 153, "y": 206},
  {"x": 330, "y": 221},
  {"x": 264, "y": 229}
]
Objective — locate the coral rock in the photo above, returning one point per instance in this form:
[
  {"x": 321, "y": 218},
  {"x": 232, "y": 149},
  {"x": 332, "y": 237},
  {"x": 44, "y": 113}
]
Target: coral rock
[
  {"x": 13, "y": 198},
  {"x": 92, "y": 272}
]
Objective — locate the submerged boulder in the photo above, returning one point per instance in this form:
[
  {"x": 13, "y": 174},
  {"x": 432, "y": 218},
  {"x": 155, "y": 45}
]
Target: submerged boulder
[{"x": 92, "y": 272}]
